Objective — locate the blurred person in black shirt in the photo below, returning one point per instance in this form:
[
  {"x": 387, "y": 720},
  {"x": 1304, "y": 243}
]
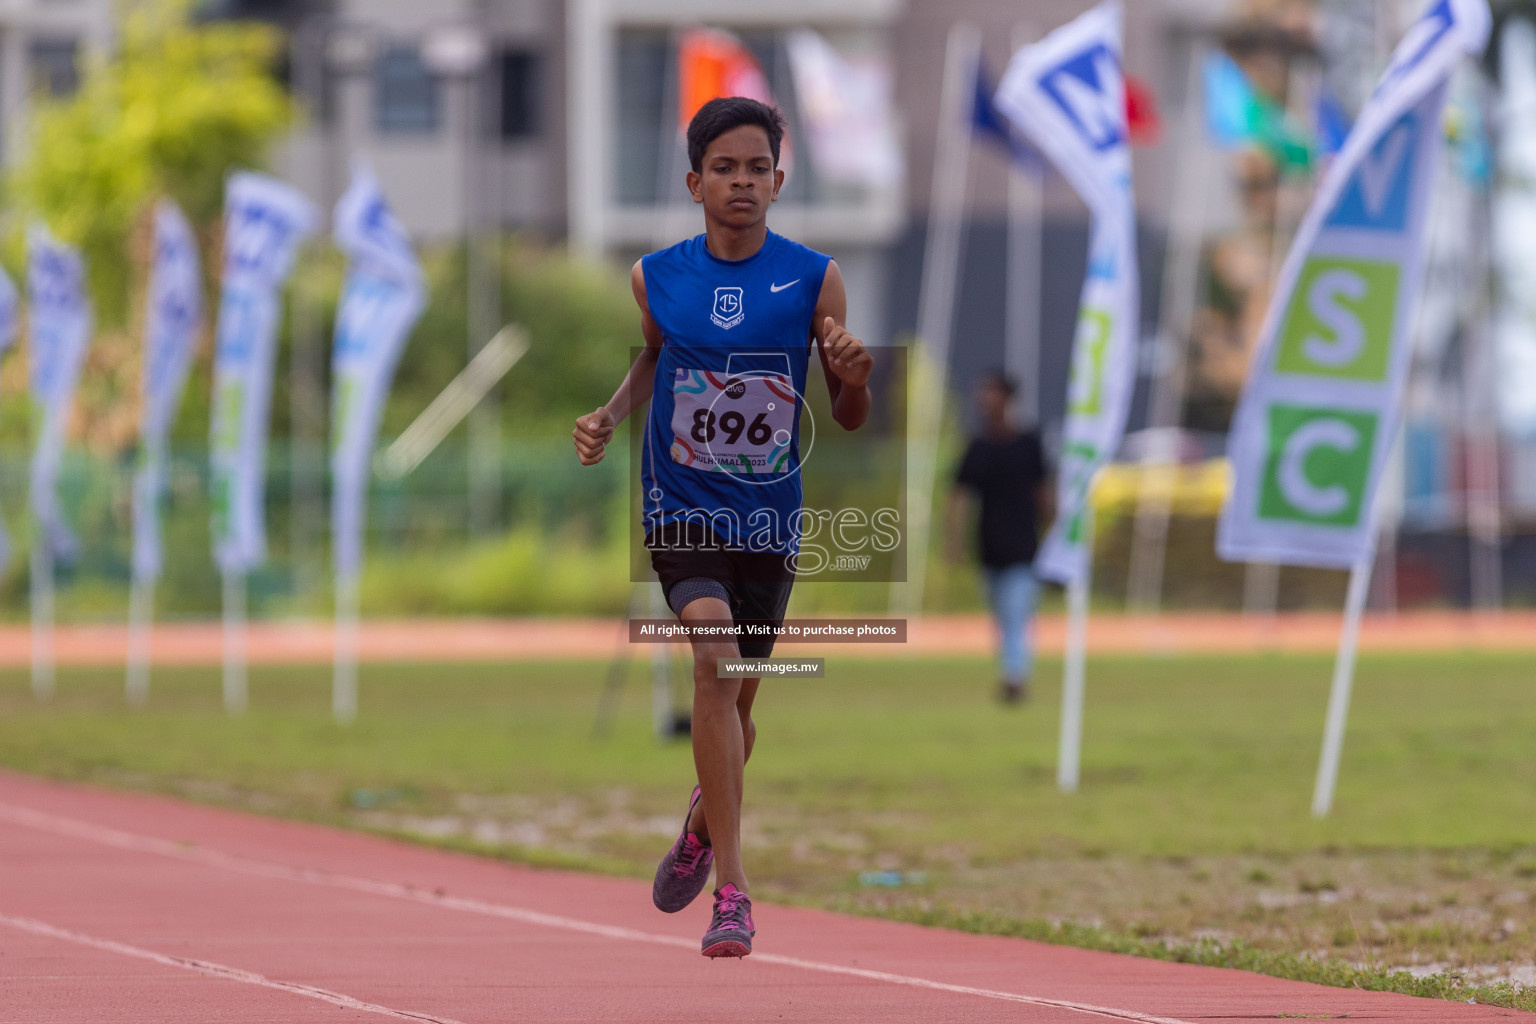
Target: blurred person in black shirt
[{"x": 1004, "y": 471}]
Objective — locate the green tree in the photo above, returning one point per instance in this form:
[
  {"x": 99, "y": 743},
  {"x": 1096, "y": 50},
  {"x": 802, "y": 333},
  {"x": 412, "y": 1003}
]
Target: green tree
[{"x": 170, "y": 111}]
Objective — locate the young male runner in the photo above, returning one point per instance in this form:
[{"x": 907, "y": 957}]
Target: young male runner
[{"x": 728, "y": 318}]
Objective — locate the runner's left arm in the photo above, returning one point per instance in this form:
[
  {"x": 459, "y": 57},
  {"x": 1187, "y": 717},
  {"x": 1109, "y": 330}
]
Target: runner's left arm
[{"x": 844, "y": 359}]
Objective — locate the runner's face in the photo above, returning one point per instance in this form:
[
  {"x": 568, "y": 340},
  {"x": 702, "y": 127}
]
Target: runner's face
[{"x": 738, "y": 179}]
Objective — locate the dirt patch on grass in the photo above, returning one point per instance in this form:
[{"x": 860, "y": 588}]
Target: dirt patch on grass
[
  {"x": 1467, "y": 910},
  {"x": 1427, "y": 911}
]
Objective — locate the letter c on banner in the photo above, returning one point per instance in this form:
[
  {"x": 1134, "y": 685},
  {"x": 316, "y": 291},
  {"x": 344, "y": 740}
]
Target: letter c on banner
[
  {"x": 1348, "y": 333},
  {"x": 1318, "y": 502}
]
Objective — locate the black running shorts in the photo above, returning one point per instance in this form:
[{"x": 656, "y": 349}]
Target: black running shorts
[{"x": 756, "y": 584}]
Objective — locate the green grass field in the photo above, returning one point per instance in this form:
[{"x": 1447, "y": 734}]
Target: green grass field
[{"x": 1192, "y": 820}]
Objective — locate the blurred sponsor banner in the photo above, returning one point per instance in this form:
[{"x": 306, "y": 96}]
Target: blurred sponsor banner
[
  {"x": 1332, "y": 122},
  {"x": 379, "y": 305},
  {"x": 1143, "y": 116},
  {"x": 170, "y": 330},
  {"x": 989, "y": 123},
  {"x": 712, "y": 63},
  {"x": 1067, "y": 95},
  {"x": 7, "y": 337},
  {"x": 60, "y": 332},
  {"x": 1238, "y": 115},
  {"x": 1514, "y": 219},
  {"x": 1316, "y": 423},
  {"x": 265, "y": 220},
  {"x": 846, "y": 107},
  {"x": 9, "y": 312}
]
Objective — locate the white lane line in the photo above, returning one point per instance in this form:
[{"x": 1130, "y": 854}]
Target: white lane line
[
  {"x": 214, "y": 970},
  {"x": 105, "y": 836}
]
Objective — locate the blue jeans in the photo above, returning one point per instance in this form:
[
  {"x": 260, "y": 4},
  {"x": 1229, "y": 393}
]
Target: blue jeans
[{"x": 1011, "y": 591}]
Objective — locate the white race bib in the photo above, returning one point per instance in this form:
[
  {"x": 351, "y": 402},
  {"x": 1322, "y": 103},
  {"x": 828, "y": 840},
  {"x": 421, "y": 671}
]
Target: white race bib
[{"x": 742, "y": 424}]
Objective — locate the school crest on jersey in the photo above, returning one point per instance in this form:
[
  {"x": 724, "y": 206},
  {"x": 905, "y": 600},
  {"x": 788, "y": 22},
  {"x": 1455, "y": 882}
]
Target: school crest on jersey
[{"x": 727, "y": 312}]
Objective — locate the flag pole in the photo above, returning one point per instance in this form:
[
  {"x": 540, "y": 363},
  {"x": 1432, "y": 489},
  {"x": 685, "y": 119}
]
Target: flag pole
[
  {"x": 141, "y": 612},
  {"x": 1343, "y": 685},
  {"x": 663, "y": 714},
  {"x": 141, "y": 594},
  {"x": 42, "y": 613},
  {"x": 1026, "y": 241},
  {"x": 936, "y": 303},
  {"x": 1383, "y": 591},
  {"x": 667, "y": 162},
  {"x": 1074, "y": 667},
  {"x": 344, "y": 680},
  {"x": 1480, "y": 421},
  {"x": 235, "y": 689},
  {"x": 1181, "y": 290}
]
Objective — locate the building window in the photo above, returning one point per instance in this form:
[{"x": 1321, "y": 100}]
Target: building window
[
  {"x": 642, "y": 88},
  {"x": 405, "y": 93},
  {"x": 54, "y": 65},
  {"x": 519, "y": 72}
]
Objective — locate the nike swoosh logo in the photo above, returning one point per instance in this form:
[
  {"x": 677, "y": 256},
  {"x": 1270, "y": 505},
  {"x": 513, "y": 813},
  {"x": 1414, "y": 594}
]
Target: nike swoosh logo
[{"x": 776, "y": 288}]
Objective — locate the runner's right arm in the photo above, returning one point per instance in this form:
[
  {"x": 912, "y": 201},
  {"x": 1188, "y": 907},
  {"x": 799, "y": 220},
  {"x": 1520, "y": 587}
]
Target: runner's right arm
[{"x": 595, "y": 429}]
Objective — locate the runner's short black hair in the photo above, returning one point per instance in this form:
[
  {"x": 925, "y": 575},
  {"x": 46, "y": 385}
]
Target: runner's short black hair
[{"x": 720, "y": 115}]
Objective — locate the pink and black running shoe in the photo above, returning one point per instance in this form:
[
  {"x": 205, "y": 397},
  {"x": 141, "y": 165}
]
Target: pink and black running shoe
[
  {"x": 683, "y": 872},
  {"x": 730, "y": 929}
]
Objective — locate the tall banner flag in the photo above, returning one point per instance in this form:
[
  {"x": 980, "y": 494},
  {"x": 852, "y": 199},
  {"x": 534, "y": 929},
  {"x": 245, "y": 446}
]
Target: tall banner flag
[
  {"x": 712, "y": 63},
  {"x": 1238, "y": 115},
  {"x": 380, "y": 303},
  {"x": 1314, "y": 429},
  {"x": 846, "y": 106},
  {"x": 265, "y": 220},
  {"x": 175, "y": 308},
  {"x": 60, "y": 332},
  {"x": 1066, "y": 94},
  {"x": 1315, "y": 425},
  {"x": 7, "y": 338}
]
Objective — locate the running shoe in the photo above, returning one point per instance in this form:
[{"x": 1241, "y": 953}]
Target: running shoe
[
  {"x": 683, "y": 872},
  {"x": 730, "y": 929}
]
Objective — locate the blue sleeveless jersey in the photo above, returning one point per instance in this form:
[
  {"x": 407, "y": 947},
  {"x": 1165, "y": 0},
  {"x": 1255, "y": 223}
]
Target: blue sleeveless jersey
[{"x": 722, "y": 441}]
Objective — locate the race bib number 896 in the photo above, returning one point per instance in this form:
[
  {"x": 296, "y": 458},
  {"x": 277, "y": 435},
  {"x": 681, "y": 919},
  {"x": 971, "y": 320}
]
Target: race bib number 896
[{"x": 742, "y": 424}]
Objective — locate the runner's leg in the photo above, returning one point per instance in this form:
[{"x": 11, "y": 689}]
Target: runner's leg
[
  {"x": 719, "y": 741},
  {"x": 698, "y": 822}
]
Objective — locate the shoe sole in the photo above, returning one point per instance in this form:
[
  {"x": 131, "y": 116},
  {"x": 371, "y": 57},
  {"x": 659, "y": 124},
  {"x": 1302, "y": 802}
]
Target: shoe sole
[
  {"x": 727, "y": 948},
  {"x": 673, "y": 908},
  {"x": 670, "y": 908}
]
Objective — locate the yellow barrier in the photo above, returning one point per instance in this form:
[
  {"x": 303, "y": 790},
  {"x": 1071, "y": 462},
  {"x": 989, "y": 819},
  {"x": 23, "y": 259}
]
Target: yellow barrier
[{"x": 1195, "y": 489}]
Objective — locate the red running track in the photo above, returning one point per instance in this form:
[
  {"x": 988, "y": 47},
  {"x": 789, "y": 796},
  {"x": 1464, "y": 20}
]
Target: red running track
[{"x": 126, "y": 907}]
